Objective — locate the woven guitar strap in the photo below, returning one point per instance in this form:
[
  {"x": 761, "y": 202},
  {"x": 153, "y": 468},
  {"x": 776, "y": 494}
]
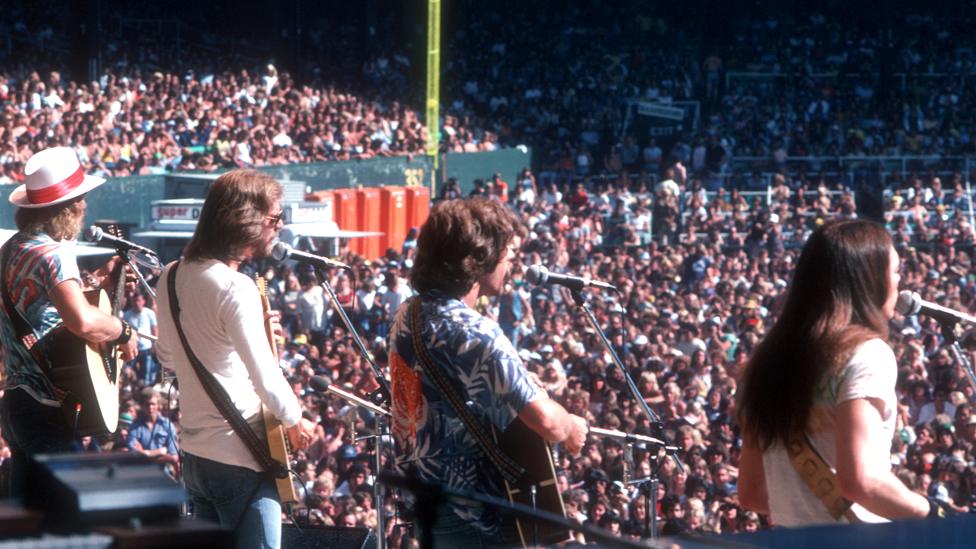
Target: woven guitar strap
[
  {"x": 819, "y": 478},
  {"x": 258, "y": 448},
  {"x": 509, "y": 469}
]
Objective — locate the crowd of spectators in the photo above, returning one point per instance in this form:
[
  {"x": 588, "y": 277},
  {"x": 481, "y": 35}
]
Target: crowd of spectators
[
  {"x": 816, "y": 86},
  {"x": 134, "y": 123},
  {"x": 700, "y": 267},
  {"x": 691, "y": 307}
]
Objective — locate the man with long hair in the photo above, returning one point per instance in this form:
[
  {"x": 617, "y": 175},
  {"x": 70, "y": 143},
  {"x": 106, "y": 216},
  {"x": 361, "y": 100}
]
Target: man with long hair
[
  {"x": 825, "y": 376},
  {"x": 465, "y": 251},
  {"x": 44, "y": 288},
  {"x": 222, "y": 317}
]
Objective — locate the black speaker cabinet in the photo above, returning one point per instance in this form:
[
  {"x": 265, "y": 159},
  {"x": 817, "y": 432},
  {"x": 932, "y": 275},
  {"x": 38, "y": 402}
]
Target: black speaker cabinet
[
  {"x": 97, "y": 489},
  {"x": 333, "y": 537}
]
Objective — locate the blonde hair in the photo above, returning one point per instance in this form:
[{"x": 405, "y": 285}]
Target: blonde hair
[{"x": 61, "y": 221}]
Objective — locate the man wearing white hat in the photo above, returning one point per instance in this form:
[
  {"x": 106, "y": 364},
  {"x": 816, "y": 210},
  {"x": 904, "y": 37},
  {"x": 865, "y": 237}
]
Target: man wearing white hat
[{"x": 42, "y": 288}]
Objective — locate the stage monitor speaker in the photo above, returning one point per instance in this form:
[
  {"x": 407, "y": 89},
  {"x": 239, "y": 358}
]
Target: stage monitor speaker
[
  {"x": 334, "y": 537},
  {"x": 99, "y": 489}
]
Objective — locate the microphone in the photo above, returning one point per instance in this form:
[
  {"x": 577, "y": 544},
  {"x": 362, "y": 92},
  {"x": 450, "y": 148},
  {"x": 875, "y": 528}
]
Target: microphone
[
  {"x": 282, "y": 251},
  {"x": 96, "y": 234},
  {"x": 910, "y": 303},
  {"x": 539, "y": 275},
  {"x": 323, "y": 385}
]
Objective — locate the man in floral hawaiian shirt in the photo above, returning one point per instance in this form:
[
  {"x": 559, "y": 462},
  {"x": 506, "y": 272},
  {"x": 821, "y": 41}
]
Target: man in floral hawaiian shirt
[{"x": 465, "y": 251}]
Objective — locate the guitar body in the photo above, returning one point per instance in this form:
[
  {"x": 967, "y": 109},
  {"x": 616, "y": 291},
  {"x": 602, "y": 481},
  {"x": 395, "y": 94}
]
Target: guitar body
[
  {"x": 532, "y": 452},
  {"x": 89, "y": 377},
  {"x": 278, "y": 445}
]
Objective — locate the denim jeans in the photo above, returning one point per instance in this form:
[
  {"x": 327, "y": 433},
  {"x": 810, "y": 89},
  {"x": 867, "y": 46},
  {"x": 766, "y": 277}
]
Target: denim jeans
[
  {"x": 146, "y": 367},
  {"x": 30, "y": 428},
  {"x": 236, "y": 498}
]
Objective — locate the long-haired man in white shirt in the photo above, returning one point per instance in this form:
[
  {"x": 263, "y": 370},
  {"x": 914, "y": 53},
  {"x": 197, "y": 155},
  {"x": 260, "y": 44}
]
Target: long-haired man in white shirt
[{"x": 222, "y": 317}]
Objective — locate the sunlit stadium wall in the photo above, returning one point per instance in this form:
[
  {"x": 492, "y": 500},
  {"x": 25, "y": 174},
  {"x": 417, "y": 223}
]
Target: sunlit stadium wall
[{"x": 127, "y": 200}]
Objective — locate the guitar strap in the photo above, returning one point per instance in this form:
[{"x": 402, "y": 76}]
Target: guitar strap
[
  {"x": 509, "y": 469},
  {"x": 218, "y": 395},
  {"x": 819, "y": 478}
]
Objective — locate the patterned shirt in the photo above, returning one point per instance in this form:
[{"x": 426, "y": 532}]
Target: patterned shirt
[
  {"x": 430, "y": 441},
  {"x": 37, "y": 263}
]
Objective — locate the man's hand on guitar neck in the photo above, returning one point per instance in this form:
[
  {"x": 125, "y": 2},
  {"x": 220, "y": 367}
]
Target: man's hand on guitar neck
[
  {"x": 272, "y": 319},
  {"x": 301, "y": 434},
  {"x": 105, "y": 276}
]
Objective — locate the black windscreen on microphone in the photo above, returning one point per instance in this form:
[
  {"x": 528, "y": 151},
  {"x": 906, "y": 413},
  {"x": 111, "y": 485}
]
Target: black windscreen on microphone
[{"x": 319, "y": 383}]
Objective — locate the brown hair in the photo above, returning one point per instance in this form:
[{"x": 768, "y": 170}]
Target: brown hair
[
  {"x": 61, "y": 221},
  {"x": 232, "y": 215},
  {"x": 834, "y": 304},
  {"x": 461, "y": 241}
]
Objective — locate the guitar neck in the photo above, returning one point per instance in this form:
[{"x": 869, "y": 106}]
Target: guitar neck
[{"x": 266, "y": 307}]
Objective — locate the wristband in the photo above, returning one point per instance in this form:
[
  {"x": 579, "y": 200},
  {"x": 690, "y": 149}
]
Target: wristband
[
  {"x": 936, "y": 510},
  {"x": 126, "y": 334}
]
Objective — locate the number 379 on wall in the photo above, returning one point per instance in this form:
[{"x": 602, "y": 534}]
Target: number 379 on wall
[{"x": 414, "y": 176}]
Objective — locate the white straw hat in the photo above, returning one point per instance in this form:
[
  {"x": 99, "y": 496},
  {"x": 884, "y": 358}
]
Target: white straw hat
[{"x": 53, "y": 176}]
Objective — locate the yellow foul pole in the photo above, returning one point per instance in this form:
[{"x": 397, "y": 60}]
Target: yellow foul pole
[{"x": 433, "y": 86}]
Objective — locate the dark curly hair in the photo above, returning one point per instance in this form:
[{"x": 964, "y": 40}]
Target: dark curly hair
[{"x": 461, "y": 241}]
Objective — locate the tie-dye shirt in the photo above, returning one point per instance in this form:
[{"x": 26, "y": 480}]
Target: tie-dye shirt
[
  {"x": 36, "y": 264},
  {"x": 430, "y": 440}
]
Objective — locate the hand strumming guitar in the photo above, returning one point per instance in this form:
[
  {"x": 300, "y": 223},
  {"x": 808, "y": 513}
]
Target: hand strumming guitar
[
  {"x": 577, "y": 437},
  {"x": 300, "y": 435}
]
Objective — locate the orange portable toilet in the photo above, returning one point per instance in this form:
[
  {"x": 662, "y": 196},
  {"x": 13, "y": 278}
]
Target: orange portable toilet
[
  {"x": 418, "y": 205},
  {"x": 369, "y": 213},
  {"x": 344, "y": 209},
  {"x": 394, "y": 222}
]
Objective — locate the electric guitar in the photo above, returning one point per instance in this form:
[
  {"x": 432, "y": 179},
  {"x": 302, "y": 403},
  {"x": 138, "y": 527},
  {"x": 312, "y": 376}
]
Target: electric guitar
[{"x": 275, "y": 431}]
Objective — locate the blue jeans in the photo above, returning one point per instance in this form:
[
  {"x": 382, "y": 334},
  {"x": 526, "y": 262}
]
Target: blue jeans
[
  {"x": 146, "y": 367},
  {"x": 236, "y": 498},
  {"x": 30, "y": 427}
]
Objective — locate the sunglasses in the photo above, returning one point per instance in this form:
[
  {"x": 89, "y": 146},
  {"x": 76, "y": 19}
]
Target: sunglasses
[{"x": 277, "y": 218}]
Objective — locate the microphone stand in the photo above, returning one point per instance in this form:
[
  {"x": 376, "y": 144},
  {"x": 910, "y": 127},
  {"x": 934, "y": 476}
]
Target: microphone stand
[
  {"x": 429, "y": 494},
  {"x": 382, "y": 395},
  {"x": 379, "y": 397},
  {"x": 650, "y": 483},
  {"x": 128, "y": 261},
  {"x": 949, "y": 339}
]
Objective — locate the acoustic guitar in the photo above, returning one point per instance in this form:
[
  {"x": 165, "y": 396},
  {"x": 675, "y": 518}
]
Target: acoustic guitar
[
  {"x": 85, "y": 377},
  {"x": 533, "y": 454}
]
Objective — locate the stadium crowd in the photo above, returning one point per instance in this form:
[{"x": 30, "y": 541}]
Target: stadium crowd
[
  {"x": 691, "y": 307},
  {"x": 700, "y": 268},
  {"x": 792, "y": 83}
]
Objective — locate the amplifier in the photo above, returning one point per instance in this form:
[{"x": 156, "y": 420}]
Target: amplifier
[
  {"x": 96, "y": 489},
  {"x": 333, "y": 537}
]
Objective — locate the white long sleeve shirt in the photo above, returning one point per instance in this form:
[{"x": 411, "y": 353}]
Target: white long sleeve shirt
[{"x": 223, "y": 320}]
